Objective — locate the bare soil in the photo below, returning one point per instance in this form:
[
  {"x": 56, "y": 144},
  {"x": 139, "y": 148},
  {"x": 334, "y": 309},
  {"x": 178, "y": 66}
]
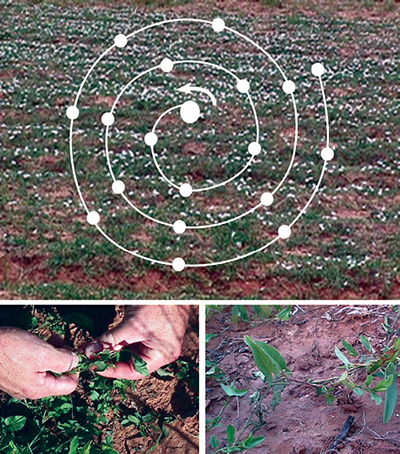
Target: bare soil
[{"x": 303, "y": 423}]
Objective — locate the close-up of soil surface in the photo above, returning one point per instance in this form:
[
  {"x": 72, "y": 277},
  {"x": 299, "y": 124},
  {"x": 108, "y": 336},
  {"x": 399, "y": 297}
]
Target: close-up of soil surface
[
  {"x": 302, "y": 423},
  {"x": 169, "y": 402}
]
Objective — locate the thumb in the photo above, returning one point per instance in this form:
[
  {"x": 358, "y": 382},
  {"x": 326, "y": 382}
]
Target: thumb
[
  {"x": 116, "y": 339},
  {"x": 59, "y": 360}
]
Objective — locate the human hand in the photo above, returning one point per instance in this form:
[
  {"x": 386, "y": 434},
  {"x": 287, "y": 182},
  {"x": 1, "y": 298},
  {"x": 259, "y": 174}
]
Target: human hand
[
  {"x": 155, "y": 332},
  {"x": 27, "y": 362}
]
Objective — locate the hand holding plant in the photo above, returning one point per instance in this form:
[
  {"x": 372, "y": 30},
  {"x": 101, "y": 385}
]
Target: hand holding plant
[
  {"x": 154, "y": 333},
  {"x": 27, "y": 366}
]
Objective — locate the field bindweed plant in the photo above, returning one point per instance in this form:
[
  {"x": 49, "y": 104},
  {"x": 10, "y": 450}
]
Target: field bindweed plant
[
  {"x": 85, "y": 421},
  {"x": 369, "y": 371}
]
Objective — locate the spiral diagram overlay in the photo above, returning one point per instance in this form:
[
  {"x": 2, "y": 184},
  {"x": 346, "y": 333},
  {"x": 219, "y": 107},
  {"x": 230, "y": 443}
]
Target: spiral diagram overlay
[{"x": 159, "y": 156}]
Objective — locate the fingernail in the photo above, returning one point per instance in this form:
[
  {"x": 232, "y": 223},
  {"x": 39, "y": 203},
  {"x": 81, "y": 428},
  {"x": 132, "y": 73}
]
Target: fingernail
[{"x": 75, "y": 360}]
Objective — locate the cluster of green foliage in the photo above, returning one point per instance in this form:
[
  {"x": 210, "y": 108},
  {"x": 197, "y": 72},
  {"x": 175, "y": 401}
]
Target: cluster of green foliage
[
  {"x": 240, "y": 312},
  {"x": 84, "y": 422}
]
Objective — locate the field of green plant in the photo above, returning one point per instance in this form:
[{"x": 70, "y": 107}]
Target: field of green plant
[
  {"x": 103, "y": 415},
  {"x": 346, "y": 246}
]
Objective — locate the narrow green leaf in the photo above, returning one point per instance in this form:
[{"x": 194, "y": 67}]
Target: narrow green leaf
[
  {"x": 230, "y": 433},
  {"x": 251, "y": 441},
  {"x": 86, "y": 448},
  {"x": 366, "y": 343},
  {"x": 349, "y": 348},
  {"x": 342, "y": 357},
  {"x": 74, "y": 445},
  {"x": 391, "y": 394},
  {"x": 277, "y": 395},
  {"x": 359, "y": 391},
  {"x": 214, "y": 441},
  {"x": 232, "y": 391}
]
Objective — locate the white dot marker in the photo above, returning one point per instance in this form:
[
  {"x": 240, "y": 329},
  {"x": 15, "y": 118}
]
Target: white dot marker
[
  {"x": 118, "y": 187},
  {"x": 317, "y": 69},
  {"x": 284, "y": 232},
  {"x": 72, "y": 112},
  {"x": 190, "y": 112},
  {"x": 150, "y": 139},
  {"x": 107, "y": 119},
  {"x": 288, "y": 87},
  {"x": 167, "y": 65},
  {"x": 267, "y": 199},
  {"x": 218, "y": 24},
  {"x": 254, "y": 148},
  {"x": 179, "y": 227},
  {"x": 186, "y": 190},
  {"x": 178, "y": 264},
  {"x": 327, "y": 154},
  {"x": 93, "y": 218},
  {"x": 120, "y": 40},
  {"x": 243, "y": 86}
]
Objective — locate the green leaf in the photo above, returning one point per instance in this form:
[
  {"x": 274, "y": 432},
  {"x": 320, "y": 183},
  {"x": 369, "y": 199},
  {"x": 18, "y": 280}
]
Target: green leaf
[
  {"x": 277, "y": 395},
  {"x": 103, "y": 419},
  {"x": 140, "y": 365},
  {"x": 397, "y": 344},
  {"x": 86, "y": 448},
  {"x": 366, "y": 343},
  {"x": 359, "y": 391},
  {"x": 384, "y": 384},
  {"x": 230, "y": 433},
  {"x": 349, "y": 348},
  {"x": 251, "y": 441},
  {"x": 209, "y": 337},
  {"x": 73, "y": 446},
  {"x": 391, "y": 394},
  {"x": 214, "y": 441},
  {"x": 263, "y": 311},
  {"x": 94, "y": 395},
  {"x": 14, "y": 423},
  {"x": 239, "y": 311},
  {"x": 267, "y": 358},
  {"x": 330, "y": 398},
  {"x": 285, "y": 313},
  {"x": 100, "y": 366},
  {"x": 342, "y": 357},
  {"x": 232, "y": 391},
  {"x": 376, "y": 398},
  {"x": 164, "y": 373},
  {"x": 369, "y": 380}
]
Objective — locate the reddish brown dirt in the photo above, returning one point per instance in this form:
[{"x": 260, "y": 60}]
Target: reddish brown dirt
[{"x": 303, "y": 423}]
